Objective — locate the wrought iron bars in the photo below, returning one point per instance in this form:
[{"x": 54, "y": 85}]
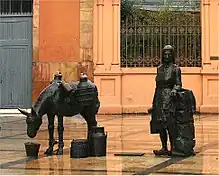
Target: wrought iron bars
[
  {"x": 144, "y": 36},
  {"x": 16, "y": 6}
]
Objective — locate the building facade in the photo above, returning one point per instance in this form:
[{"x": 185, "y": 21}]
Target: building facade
[
  {"x": 85, "y": 36},
  {"x": 130, "y": 90}
]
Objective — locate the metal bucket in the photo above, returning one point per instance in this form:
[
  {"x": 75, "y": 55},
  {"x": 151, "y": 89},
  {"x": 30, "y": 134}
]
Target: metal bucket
[
  {"x": 79, "y": 148},
  {"x": 32, "y": 149}
]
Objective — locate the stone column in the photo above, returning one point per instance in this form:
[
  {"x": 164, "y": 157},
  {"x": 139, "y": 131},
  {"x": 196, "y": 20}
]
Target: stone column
[
  {"x": 205, "y": 24},
  {"x": 116, "y": 34},
  {"x": 107, "y": 74},
  {"x": 35, "y": 46},
  {"x": 98, "y": 32},
  {"x": 35, "y": 30},
  {"x": 86, "y": 39}
]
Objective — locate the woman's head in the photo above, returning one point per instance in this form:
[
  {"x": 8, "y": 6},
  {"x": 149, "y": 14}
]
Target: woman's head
[{"x": 168, "y": 55}]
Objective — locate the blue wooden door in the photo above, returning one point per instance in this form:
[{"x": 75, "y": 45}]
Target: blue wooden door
[{"x": 15, "y": 61}]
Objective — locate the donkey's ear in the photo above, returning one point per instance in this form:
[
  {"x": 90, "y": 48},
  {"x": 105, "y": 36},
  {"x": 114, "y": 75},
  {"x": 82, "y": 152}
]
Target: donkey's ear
[
  {"x": 23, "y": 112},
  {"x": 33, "y": 111}
]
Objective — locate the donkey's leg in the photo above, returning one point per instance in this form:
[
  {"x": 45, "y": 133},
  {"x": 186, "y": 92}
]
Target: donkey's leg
[
  {"x": 90, "y": 117},
  {"x": 51, "y": 117},
  {"x": 60, "y": 133}
]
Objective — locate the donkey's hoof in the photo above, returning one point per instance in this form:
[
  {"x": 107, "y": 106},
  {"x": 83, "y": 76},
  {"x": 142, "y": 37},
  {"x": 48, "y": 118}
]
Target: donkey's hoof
[
  {"x": 59, "y": 151},
  {"x": 48, "y": 152}
]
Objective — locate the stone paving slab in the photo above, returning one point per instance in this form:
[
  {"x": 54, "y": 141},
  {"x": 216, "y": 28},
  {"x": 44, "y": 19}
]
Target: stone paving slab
[{"x": 125, "y": 134}]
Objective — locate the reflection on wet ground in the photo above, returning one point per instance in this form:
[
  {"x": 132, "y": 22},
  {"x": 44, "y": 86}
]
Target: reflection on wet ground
[{"x": 125, "y": 134}]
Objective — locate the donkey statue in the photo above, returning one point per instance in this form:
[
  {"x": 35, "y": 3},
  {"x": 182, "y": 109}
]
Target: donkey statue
[{"x": 63, "y": 99}]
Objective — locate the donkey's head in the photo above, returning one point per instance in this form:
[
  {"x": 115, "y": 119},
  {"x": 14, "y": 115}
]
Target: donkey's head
[{"x": 33, "y": 122}]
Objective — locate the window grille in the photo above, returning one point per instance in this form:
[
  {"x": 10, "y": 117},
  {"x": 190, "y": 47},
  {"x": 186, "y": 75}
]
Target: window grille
[
  {"x": 16, "y": 6},
  {"x": 145, "y": 32}
]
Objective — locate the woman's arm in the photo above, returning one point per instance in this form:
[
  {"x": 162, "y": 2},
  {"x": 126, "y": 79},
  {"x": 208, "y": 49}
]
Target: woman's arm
[
  {"x": 154, "y": 97},
  {"x": 178, "y": 84}
]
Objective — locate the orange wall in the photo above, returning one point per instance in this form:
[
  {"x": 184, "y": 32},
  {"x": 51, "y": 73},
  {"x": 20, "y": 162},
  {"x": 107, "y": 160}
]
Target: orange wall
[
  {"x": 59, "y": 33},
  {"x": 59, "y": 41}
]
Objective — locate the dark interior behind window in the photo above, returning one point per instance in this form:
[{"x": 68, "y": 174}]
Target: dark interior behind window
[{"x": 16, "y": 6}]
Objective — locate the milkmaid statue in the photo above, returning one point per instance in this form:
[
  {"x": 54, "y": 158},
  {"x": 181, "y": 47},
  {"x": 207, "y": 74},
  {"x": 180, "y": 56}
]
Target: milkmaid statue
[{"x": 172, "y": 109}]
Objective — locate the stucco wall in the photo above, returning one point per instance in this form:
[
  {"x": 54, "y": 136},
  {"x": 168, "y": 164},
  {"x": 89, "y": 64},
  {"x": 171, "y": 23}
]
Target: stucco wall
[
  {"x": 138, "y": 87},
  {"x": 62, "y": 40}
]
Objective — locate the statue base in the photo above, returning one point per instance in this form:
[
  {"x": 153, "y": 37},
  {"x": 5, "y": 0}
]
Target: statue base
[{"x": 181, "y": 154}]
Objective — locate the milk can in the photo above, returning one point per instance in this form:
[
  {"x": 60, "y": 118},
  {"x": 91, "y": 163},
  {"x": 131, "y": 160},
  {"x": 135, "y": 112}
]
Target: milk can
[
  {"x": 98, "y": 141},
  {"x": 85, "y": 92}
]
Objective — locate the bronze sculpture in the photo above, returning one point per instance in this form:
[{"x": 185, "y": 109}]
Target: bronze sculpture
[
  {"x": 63, "y": 99},
  {"x": 184, "y": 122},
  {"x": 166, "y": 113}
]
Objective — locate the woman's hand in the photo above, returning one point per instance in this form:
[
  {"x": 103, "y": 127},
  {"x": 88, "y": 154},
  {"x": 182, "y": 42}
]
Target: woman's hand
[
  {"x": 150, "y": 110},
  {"x": 173, "y": 93}
]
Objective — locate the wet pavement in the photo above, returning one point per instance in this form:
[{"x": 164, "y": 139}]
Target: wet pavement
[{"x": 124, "y": 134}]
